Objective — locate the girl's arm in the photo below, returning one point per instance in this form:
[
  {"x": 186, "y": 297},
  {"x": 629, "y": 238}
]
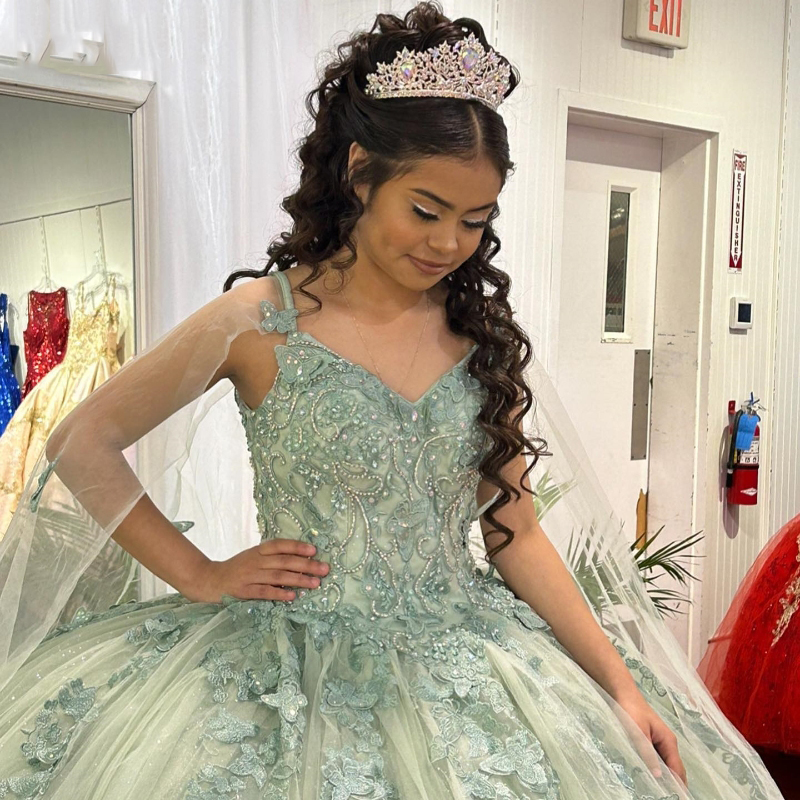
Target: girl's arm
[
  {"x": 535, "y": 572},
  {"x": 146, "y": 391}
]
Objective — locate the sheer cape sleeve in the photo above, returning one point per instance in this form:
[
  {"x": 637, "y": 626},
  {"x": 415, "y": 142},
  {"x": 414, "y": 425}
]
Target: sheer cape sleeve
[{"x": 130, "y": 436}]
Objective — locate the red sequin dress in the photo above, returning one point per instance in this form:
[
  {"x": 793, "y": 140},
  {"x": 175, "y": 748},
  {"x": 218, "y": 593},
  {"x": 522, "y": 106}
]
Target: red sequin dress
[
  {"x": 751, "y": 664},
  {"x": 46, "y": 335}
]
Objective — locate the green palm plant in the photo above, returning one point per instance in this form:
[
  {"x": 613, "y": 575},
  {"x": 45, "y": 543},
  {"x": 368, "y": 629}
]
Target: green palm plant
[
  {"x": 593, "y": 573},
  {"x": 668, "y": 559}
]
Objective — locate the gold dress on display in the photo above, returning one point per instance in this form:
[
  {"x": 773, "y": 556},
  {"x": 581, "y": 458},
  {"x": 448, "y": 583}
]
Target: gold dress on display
[{"x": 90, "y": 359}]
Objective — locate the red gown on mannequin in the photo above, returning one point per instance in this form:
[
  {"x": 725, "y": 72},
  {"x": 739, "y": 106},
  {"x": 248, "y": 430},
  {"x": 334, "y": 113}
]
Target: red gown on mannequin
[
  {"x": 751, "y": 664},
  {"x": 46, "y": 335}
]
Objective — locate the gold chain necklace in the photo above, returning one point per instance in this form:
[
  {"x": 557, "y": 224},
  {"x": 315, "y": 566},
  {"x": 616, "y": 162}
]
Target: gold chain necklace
[{"x": 419, "y": 341}]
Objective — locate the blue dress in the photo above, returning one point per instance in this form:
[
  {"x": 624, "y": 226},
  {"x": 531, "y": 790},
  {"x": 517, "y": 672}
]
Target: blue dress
[
  {"x": 10, "y": 394},
  {"x": 408, "y": 674}
]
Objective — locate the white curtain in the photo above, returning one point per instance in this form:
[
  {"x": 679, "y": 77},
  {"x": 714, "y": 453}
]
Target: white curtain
[{"x": 230, "y": 83}]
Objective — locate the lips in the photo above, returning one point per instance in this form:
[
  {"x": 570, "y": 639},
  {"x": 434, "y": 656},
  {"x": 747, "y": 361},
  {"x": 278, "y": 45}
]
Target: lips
[{"x": 430, "y": 263}]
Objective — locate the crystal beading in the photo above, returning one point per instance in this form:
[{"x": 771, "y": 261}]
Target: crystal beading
[{"x": 464, "y": 70}]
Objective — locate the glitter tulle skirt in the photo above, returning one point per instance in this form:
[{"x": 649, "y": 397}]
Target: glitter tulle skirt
[{"x": 252, "y": 699}]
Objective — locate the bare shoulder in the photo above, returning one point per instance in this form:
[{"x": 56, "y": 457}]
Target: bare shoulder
[
  {"x": 251, "y": 364},
  {"x": 246, "y": 294},
  {"x": 257, "y": 289}
]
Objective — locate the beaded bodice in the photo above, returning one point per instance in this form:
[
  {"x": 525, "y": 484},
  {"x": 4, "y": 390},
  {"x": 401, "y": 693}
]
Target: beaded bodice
[
  {"x": 94, "y": 335},
  {"x": 383, "y": 487}
]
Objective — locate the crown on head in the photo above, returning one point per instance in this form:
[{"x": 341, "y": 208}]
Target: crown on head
[{"x": 465, "y": 70}]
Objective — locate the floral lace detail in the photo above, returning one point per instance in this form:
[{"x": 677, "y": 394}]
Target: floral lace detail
[
  {"x": 647, "y": 681},
  {"x": 42, "y": 480},
  {"x": 684, "y": 712},
  {"x": 155, "y": 637},
  {"x": 677, "y": 711},
  {"x": 83, "y": 617},
  {"x": 48, "y": 740}
]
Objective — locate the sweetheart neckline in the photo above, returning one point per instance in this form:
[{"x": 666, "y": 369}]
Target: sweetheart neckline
[{"x": 387, "y": 389}]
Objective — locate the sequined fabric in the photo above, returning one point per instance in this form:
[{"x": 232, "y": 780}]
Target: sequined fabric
[
  {"x": 9, "y": 387},
  {"x": 407, "y": 674},
  {"x": 46, "y": 336},
  {"x": 762, "y": 627}
]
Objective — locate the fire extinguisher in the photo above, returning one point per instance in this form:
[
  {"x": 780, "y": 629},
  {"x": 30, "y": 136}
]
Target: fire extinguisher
[{"x": 741, "y": 479}]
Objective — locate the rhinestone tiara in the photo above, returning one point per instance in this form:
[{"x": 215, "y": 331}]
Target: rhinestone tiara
[{"x": 464, "y": 69}]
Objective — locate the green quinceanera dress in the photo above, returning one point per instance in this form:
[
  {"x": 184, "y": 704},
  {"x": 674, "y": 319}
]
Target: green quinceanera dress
[{"x": 409, "y": 674}]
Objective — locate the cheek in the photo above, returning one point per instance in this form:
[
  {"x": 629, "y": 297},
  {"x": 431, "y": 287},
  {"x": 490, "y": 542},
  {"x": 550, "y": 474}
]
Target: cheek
[{"x": 403, "y": 237}]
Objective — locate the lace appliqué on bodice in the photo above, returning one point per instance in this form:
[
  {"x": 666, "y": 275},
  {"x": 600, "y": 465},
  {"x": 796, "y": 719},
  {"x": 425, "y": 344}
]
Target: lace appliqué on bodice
[
  {"x": 382, "y": 486},
  {"x": 94, "y": 333}
]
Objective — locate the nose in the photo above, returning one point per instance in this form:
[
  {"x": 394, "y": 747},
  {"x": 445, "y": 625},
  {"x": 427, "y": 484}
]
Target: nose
[{"x": 443, "y": 241}]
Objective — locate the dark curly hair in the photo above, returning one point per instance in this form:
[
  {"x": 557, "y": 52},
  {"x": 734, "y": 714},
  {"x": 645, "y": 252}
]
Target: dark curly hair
[{"x": 398, "y": 134}]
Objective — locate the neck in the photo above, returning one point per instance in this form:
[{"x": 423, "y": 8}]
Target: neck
[{"x": 374, "y": 294}]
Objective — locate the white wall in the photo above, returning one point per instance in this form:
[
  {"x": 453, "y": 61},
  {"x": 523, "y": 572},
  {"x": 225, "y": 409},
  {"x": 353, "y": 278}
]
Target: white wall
[{"x": 785, "y": 399}]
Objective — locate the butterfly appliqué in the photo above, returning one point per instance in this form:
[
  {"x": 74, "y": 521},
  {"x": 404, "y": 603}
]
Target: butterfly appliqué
[{"x": 278, "y": 319}]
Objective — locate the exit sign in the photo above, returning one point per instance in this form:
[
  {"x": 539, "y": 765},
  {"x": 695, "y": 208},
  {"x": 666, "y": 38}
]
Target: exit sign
[{"x": 661, "y": 22}]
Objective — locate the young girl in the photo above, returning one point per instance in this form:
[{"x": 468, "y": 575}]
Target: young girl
[{"x": 356, "y": 652}]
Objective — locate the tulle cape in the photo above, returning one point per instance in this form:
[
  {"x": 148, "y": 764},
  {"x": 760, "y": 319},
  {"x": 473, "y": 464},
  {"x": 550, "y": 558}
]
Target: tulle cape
[{"x": 138, "y": 433}]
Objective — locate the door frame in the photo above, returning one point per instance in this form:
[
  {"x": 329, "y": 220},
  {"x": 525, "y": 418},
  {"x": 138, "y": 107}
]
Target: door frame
[{"x": 677, "y": 485}]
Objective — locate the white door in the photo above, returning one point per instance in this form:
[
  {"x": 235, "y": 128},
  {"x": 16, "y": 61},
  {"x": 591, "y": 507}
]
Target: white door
[{"x": 606, "y": 305}]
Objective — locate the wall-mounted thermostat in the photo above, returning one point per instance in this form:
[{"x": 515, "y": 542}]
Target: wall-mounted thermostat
[{"x": 741, "y": 313}]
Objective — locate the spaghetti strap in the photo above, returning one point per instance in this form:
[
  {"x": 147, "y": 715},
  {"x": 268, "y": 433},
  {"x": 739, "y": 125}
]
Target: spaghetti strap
[
  {"x": 286, "y": 290},
  {"x": 282, "y": 320}
]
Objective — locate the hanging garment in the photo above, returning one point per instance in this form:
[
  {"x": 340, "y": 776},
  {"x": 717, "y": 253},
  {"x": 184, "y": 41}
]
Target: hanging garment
[
  {"x": 408, "y": 673},
  {"x": 91, "y": 358},
  {"x": 46, "y": 335},
  {"x": 752, "y": 660},
  {"x": 9, "y": 386}
]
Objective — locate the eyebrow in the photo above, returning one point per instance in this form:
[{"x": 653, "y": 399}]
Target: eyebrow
[{"x": 444, "y": 203}]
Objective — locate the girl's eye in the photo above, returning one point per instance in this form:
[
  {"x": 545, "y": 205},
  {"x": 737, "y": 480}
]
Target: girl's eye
[{"x": 426, "y": 215}]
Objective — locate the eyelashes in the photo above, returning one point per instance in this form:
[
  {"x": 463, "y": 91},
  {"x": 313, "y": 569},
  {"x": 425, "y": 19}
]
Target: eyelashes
[{"x": 429, "y": 217}]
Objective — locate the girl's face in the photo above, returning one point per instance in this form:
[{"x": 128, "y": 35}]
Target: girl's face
[{"x": 436, "y": 213}]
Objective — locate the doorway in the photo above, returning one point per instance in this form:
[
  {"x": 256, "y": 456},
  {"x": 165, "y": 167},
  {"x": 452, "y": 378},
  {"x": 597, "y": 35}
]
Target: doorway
[
  {"x": 607, "y": 305},
  {"x": 628, "y": 335}
]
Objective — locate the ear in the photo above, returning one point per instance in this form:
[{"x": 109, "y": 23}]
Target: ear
[{"x": 356, "y": 154}]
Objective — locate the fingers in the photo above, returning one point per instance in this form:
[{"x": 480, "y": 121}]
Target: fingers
[
  {"x": 293, "y": 555},
  {"x": 641, "y": 741},
  {"x": 293, "y": 564},
  {"x": 284, "y": 563},
  {"x": 666, "y": 742},
  {"x": 290, "y": 546},
  {"x": 263, "y": 591},
  {"x": 648, "y": 754},
  {"x": 280, "y": 577}
]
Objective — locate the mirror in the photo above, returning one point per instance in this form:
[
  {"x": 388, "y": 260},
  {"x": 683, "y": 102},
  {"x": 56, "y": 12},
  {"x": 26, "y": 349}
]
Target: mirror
[
  {"x": 73, "y": 253},
  {"x": 66, "y": 239}
]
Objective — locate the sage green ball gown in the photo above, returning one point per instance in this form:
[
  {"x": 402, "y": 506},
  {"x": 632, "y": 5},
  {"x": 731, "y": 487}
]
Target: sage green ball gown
[{"x": 408, "y": 673}]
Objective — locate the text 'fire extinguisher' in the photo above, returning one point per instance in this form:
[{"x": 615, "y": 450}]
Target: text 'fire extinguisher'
[{"x": 741, "y": 479}]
